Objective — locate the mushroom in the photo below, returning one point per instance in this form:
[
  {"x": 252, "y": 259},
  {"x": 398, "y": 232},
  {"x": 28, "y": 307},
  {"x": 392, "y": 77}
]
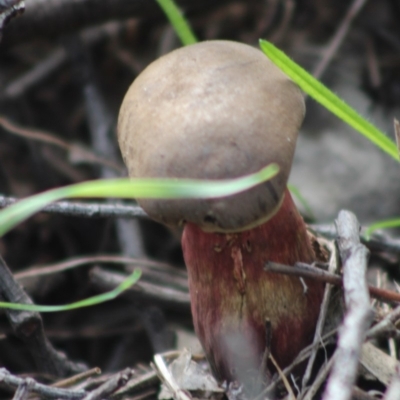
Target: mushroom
[{"x": 218, "y": 110}]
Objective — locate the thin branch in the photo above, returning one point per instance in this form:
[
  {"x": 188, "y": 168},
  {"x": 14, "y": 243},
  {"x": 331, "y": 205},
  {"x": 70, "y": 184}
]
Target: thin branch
[
  {"x": 86, "y": 210},
  {"x": 319, "y": 379},
  {"x": 24, "y": 389},
  {"x": 359, "y": 314},
  {"x": 379, "y": 242},
  {"x": 77, "y": 153},
  {"x": 338, "y": 37},
  {"x": 302, "y": 356},
  {"x": 116, "y": 382},
  {"x": 35, "y": 75},
  {"x": 387, "y": 325},
  {"x": 102, "y": 136},
  {"x": 54, "y": 60},
  {"x": 309, "y": 271},
  {"x": 12, "y": 381},
  {"x": 155, "y": 271},
  {"x": 73, "y": 380},
  {"x": 141, "y": 381},
  {"x": 165, "y": 295},
  {"x": 9, "y": 9},
  {"x": 286, "y": 383},
  {"x": 48, "y": 19},
  {"x": 146, "y": 264},
  {"x": 28, "y": 326},
  {"x": 333, "y": 268}
]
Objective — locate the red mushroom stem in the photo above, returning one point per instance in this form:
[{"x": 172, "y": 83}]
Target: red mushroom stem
[{"x": 232, "y": 296}]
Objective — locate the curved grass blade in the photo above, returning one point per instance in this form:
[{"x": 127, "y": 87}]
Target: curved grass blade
[
  {"x": 328, "y": 99},
  {"x": 389, "y": 223},
  {"x": 297, "y": 194},
  {"x": 91, "y": 301},
  {"x": 135, "y": 188},
  {"x": 178, "y": 22}
]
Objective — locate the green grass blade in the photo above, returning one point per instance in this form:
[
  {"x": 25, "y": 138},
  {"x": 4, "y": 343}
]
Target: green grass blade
[
  {"x": 389, "y": 223},
  {"x": 178, "y": 22},
  {"x": 328, "y": 99},
  {"x": 297, "y": 194},
  {"x": 91, "y": 301},
  {"x": 135, "y": 188}
]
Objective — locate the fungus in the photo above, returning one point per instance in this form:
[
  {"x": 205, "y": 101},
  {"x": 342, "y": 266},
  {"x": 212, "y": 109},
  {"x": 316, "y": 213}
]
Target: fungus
[{"x": 219, "y": 110}]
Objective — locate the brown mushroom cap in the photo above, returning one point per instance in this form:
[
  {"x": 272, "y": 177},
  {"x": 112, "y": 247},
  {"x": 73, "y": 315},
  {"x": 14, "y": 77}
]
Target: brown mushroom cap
[{"x": 213, "y": 110}]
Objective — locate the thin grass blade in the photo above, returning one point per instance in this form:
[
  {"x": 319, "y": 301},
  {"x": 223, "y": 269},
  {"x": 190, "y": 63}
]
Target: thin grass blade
[{"x": 328, "y": 99}]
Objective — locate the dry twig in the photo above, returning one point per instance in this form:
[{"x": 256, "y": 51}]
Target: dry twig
[
  {"x": 73, "y": 380},
  {"x": 8, "y": 10},
  {"x": 12, "y": 381},
  {"x": 44, "y": 18},
  {"x": 86, "y": 210},
  {"x": 304, "y": 354},
  {"x": 379, "y": 241},
  {"x": 386, "y": 326},
  {"x": 76, "y": 152},
  {"x": 319, "y": 379},
  {"x": 309, "y": 271},
  {"x": 101, "y": 128},
  {"x": 338, "y": 37},
  {"x": 166, "y": 295},
  {"x": 358, "y": 316},
  {"x": 111, "y": 385},
  {"x": 333, "y": 268},
  {"x": 28, "y": 326}
]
